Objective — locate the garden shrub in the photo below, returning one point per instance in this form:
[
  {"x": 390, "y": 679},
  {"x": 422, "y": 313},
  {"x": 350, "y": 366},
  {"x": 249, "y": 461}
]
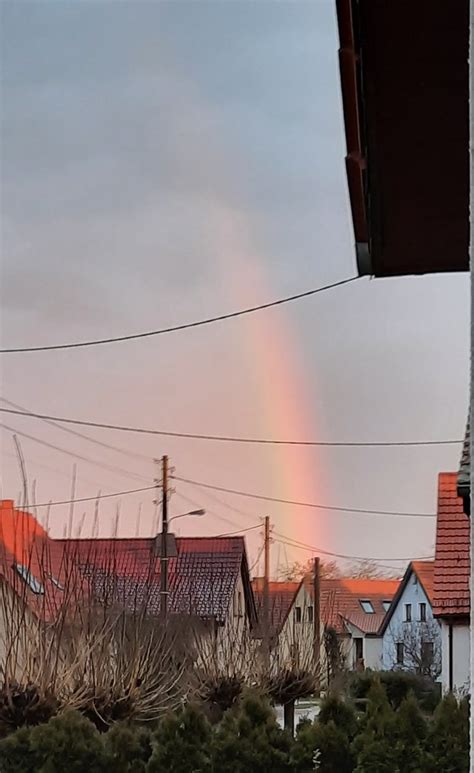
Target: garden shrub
[
  {"x": 182, "y": 743},
  {"x": 373, "y": 746},
  {"x": 410, "y": 737},
  {"x": 448, "y": 738},
  {"x": 250, "y": 739},
  {"x": 325, "y": 742},
  {"x": 128, "y": 748},
  {"x": 398, "y": 684}
]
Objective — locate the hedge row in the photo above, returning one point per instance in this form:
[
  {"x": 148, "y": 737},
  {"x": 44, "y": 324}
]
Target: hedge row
[{"x": 249, "y": 740}]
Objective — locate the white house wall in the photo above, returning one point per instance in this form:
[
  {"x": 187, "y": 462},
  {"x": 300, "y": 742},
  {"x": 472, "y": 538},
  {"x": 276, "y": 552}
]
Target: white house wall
[
  {"x": 371, "y": 649},
  {"x": 461, "y": 651},
  {"x": 412, "y": 594}
]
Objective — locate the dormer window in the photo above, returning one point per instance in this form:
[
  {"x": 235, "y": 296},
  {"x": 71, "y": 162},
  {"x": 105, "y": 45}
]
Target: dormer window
[
  {"x": 30, "y": 580},
  {"x": 367, "y": 606}
]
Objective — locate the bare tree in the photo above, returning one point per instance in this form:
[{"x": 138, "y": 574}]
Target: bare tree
[{"x": 417, "y": 647}]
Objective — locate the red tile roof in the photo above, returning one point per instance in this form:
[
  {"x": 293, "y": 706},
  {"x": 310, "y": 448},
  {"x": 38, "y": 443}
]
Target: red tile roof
[
  {"x": 281, "y": 596},
  {"x": 26, "y": 551},
  {"x": 451, "y": 575},
  {"x": 201, "y": 578},
  {"x": 424, "y": 570},
  {"x": 341, "y": 602}
]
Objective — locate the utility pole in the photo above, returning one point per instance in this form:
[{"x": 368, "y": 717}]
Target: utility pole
[
  {"x": 164, "y": 541},
  {"x": 317, "y": 617},
  {"x": 266, "y": 579}
]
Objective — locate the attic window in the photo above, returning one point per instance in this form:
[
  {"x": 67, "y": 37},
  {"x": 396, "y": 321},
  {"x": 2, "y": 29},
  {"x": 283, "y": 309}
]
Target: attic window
[
  {"x": 367, "y": 606},
  {"x": 25, "y": 573},
  {"x": 386, "y": 605}
]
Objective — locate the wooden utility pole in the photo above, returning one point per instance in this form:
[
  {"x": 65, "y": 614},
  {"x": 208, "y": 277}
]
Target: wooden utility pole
[
  {"x": 266, "y": 579},
  {"x": 164, "y": 541},
  {"x": 317, "y": 616}
]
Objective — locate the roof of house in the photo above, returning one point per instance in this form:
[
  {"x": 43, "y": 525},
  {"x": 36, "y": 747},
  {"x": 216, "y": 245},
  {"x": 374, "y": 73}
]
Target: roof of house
[
  {"x": 451, "y": 574},
  {"x": 341, "y": 599},
  {"x": 281, "y": 596},
  {"x": 30, "y": 562},
  {"x": 201, "y": 578},
  {"x": 424, "y": 570},
  {"x": 405, "y": 92},
  {"x": 464, "y": 475}
]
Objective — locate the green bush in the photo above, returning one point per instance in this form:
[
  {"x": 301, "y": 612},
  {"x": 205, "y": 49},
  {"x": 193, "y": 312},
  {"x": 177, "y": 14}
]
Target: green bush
[
  {"x": 410, "y": 737},
  {"x": 398, "y": 685},
  {"x": 68, "y": 742},
  {"x": 128, "y": 748},
  {"x": 324, "y": 742},
  {"x": 373, "y": 746},
  {"x": 448, "y": 738},
  {"x": 182, "y": 743},
  {"x": 250, "y": 739}
]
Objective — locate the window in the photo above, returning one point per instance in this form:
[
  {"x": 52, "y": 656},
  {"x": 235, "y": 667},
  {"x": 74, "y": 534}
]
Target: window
[
  {"x": 358, "y": 651},
  {"x": 297, "y": 614},
  {"x": 407, "y": 613},
  {"x": 386, "y": 605},
  {"x": 367, "y": 606},
  {"x": 25, "y": 573},
  {"x": 423, "y": 613},
  {"x": 400, "y": 653},
  {"x": 427, "y": 654},
  {"x": 310, "y": 614}
]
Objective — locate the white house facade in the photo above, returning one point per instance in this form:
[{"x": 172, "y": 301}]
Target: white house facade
[{"x": 411, "y": 637}]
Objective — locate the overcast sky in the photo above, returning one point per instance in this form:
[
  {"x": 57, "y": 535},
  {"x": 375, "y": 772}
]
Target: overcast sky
[{"x": 162, "y": 162}]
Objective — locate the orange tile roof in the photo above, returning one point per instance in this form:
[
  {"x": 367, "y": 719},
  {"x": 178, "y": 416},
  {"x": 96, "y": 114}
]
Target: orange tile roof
[
  {"x": 281, "y": 596},
  {"x": 452, "y": 564},
  {"x": 341, "y": 597},
  {"x": 424, "y": 570}
]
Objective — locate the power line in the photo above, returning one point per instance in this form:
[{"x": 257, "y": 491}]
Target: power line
[
  {"x": 211, "y": 512},
  {"x": 74, "y": 432},
  {"x": 302, "y": 504},
  {"x": 232, "y": 439},
  {"x": 87, "y": 459},
  {"x": 312, "y": 548},
  {"x": 185, "y": 326},
  {"x": 240, "y": 531},
  {"x": 89, "y": 499}
]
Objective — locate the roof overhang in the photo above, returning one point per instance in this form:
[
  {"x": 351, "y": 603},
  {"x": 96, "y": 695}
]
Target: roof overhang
[{"x": 405, "y": 90}]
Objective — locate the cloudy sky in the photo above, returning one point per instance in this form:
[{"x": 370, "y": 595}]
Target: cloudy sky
[{"x": 167, "y": 161}]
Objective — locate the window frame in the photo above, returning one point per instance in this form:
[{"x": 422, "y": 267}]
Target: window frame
[
  {"x": 370, "y": 610},
  {"x": 408, "y": 613},
  {"x": 298, "y": 615},
  {"x": 400, "y": 653},
  {"x": 422, "y": 610}
]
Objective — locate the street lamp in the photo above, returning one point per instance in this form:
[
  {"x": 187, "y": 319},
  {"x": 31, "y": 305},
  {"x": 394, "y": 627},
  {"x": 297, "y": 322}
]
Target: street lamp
[{"x": 197, "y": 513}]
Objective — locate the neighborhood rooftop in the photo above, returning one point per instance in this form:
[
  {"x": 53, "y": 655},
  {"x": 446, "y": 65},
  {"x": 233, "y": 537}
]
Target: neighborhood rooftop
[{"x": 451, "y": 575}]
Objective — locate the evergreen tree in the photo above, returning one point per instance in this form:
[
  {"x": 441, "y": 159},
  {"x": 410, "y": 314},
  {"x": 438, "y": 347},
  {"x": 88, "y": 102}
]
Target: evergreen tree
[
  {"x": 16, "y": 755},
  {"x": 250, "y": 739},
  {"x": 182, "y": 743},
  {"x": 448, "y": 739},
  {"x": 329, "y": 742},
  {"x": 68, "y": 742},
  {"x": 373, "y": 747},
  {"x": 128, "y": 748},
  {"x": 410, "y": 736},
  {"x": 340, "y": 712}
]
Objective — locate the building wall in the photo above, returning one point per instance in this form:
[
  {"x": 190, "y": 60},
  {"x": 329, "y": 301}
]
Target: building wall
[
  {"x": 461, "y": 657},
  {"x": 373, "y": 652},
  {"x": 371, "y": 649},
  {"x": 411, "y": 634}
]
